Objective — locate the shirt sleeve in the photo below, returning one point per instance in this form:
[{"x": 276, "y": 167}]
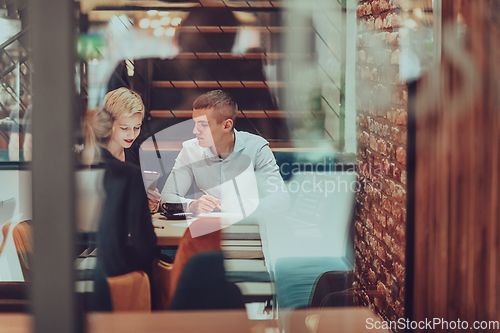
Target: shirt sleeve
[
  {"x": 273, "y": 195},
  {"x": 179, "y": 181}
]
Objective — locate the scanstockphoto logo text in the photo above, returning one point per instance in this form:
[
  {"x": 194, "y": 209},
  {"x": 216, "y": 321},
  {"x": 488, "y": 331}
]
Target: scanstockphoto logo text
[
  {"x": 431, "y": 324},
  {"x": 334, "y": 183}
]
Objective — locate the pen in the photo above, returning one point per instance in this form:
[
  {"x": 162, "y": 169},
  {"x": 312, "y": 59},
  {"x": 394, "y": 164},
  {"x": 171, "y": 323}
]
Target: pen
[{"x": 205, "y": 192}]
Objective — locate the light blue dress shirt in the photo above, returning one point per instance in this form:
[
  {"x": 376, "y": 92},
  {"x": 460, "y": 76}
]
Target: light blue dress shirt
[{"x": 247, "y": 181}]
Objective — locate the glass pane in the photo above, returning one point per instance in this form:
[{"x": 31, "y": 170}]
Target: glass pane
[{"x": 16, "y": 239}]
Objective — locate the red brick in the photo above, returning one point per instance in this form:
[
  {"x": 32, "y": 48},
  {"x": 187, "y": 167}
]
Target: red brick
[
  {"x": 381, "y": 253},
  {"x": 386, "y": 203},
  {"x": 388, "y": 239},
  {"x": 381, "y": 288},
  {"x": 377, "y": 231},
  {"x": 361, "y": 56},
  {"x": 395, "y": 4},
  {"x": 402, "y": 118},
  {"x": 397, "y": 211},
  {"x": 379, "y": 302},
  {"x": 392, "y": 21},
  {"x": 400, "y": 233},
  {"x": 399, "y": 193},
  {"x": 402, "y": 291},
  {"x": 391, "y": 115},
  {"x": 396, "y": 134},
  {"x": 365, "y": 73},
  {"x": 379, "y": 23},
  {"x": 382, "y": 147},
  {"x": 400, "y": 96},
  {"x": 400, "y": 272},
  {"x": 400, "y": 310},
  {"x": 395, "y": 58},
  {"x": 369, "y": 224},
  {"x": 373, "y": 143},
  {"x": 400, "y": 155},
  {"x": 364, "y": 9},
  {"x": 380, "y": 6},
  {"x": 403, "y": 177},
  {"x": 377, "y": 265},
  {"x": 390, "y": 223},
  {"x": 392, "y": 38},
  {"x": 370, "y": 24},
  {"x": 399, "y": 251},
  {"x": 381, "y": 218},
  {"x": 372, "y": 277}
]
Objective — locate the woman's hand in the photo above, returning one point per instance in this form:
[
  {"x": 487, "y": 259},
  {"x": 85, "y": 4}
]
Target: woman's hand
[{"x": 154, "y": 200}]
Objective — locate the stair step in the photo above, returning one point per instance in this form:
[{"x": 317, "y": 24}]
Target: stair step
[
  {"x": 217, "y": 84},
  {"x": 283, "y": 146},
  {"x": 236, "y": 5},
  {"x": 233, "y": 29},
  {"x": 242, "y": 114},
  {"x": 246, "y": 56}
]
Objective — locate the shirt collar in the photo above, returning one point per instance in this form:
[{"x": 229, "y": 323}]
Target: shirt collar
[{"x": 239, "y": 145}]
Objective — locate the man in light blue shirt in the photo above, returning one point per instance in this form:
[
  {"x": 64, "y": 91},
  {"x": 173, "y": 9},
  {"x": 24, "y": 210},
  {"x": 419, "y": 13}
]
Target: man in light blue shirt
[{"x": 232, "y": 171}]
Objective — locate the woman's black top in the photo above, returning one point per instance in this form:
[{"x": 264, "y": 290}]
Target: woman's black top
[{"x": 126, "y": 240}]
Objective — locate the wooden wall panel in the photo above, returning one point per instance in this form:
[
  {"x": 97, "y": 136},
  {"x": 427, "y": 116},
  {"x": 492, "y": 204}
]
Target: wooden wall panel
[{"x": 457, "y": 199}]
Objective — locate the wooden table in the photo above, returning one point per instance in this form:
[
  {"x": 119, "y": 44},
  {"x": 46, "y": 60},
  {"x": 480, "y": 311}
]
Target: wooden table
[
  {"x": 345, "y": 320},
  {"x": 169, "y": 234}
]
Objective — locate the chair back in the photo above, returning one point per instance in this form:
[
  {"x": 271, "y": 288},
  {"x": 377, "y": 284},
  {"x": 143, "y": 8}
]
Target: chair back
[
  {"x": 161, "y": 284},
  {"x": 203, "y": 285},
  {"x": 22, "y": 235},
  {"x": 189, "y": 246},
  {"x": 5, "y": 231},
  {"x": 130, "y": 292}
]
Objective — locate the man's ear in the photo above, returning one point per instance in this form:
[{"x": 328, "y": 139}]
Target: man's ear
[{"x": 228, "y": 124}]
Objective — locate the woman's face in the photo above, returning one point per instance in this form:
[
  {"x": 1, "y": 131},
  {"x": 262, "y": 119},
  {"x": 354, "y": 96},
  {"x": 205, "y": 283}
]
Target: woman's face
[{"x": 125, "y": 130}]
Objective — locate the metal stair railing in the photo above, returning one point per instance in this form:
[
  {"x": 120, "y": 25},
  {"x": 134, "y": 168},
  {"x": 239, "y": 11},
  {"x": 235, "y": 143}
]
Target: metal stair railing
[{"x": 14, "y": 55}]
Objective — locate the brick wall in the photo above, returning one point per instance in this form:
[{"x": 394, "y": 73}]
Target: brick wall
[{"x": 381, "y": 118}]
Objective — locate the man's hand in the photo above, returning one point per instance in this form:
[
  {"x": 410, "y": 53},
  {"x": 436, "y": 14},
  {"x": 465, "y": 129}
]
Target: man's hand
[
  {"x": 154, "y": 200},
  {"x": 205, "y": 204}
]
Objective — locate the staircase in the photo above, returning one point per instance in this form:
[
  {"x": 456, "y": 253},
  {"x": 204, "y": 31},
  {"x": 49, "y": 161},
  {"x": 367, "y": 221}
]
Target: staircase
[
  {"x": 211, "y": 57},
  {"x": 15, "y": 72}
]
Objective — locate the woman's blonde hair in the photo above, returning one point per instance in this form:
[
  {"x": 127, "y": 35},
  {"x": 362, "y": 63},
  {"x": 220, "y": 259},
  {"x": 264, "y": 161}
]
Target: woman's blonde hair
[
  {"x": 97, "y": 127},
  {"x": 98, "y": 124},
  {"x": 123, "y": 102}
]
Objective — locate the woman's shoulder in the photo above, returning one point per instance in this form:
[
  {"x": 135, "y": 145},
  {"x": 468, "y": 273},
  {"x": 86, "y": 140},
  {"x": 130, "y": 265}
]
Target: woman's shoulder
[{"x": 117, "y": 167}]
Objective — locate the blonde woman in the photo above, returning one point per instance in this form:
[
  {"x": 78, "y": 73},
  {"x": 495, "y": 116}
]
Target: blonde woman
[
  {"x": 125, "y": 238},
  {"x": 126, "y": 111}
]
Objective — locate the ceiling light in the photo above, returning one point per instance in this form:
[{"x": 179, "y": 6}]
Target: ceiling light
[
  {"x": 155, "y": 24},
  {"x": 165, "y": 20},
  {"x": 144, "y": 23},
  {"x": 170, "y": 32},
  {"x": 158, "y": 32},
  {"x": 176, "y": 21}
]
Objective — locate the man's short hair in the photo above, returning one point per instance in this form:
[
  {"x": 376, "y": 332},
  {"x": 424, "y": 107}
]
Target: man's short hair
[{"x": 221, "y": 101}]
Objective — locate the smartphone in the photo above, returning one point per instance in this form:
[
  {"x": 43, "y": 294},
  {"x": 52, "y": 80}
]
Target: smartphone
[{"x": 151, "y": 179}]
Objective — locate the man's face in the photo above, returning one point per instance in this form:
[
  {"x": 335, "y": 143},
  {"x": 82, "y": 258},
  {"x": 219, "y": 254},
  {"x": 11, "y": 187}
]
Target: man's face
[{"x": 207, "y": 130}]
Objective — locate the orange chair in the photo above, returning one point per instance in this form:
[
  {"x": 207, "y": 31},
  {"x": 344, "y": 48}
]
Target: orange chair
[
  {"x": 189, "y": 246},
  {"x": 23, "y": 240},
  {"x": 130, "y": 292},
  {"x": 161, "y": 284},
  {"x": 13, "y": 295},
  {"x": 5, "y": 231}
]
